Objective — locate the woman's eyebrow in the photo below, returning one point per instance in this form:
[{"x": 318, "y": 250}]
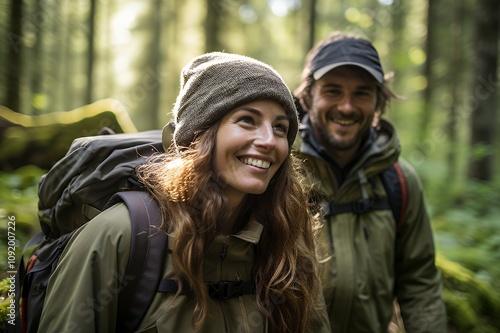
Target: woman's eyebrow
[{"x": 259, "y": 113}]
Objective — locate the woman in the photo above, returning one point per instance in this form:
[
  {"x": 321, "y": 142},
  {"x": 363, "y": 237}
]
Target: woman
[{"x": 233, "y": 208}]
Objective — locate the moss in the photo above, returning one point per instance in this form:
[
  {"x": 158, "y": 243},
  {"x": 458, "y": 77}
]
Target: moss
[
  {"x": 5, "y": 302},
  {"x": 472, "y": 304}
]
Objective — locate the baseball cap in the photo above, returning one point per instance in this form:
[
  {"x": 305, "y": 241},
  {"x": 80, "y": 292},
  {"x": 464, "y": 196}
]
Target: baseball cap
[{"x": 349, "y": 51}]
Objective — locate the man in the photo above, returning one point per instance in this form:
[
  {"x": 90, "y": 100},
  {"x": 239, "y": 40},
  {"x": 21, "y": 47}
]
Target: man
[{"x": 369, "y": 259}]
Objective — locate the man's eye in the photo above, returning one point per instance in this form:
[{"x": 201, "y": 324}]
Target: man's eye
[
  {"x": 364, "y": 93},
  {"x": 333, "y": 92}
]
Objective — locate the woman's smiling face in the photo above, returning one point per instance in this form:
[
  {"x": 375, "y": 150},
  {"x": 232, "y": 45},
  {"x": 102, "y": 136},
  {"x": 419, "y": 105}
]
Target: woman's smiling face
[{"x": 251, "y": 144}]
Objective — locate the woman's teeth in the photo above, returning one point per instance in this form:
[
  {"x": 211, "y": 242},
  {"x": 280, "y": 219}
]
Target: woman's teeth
[{"x": 256, "y": 163}]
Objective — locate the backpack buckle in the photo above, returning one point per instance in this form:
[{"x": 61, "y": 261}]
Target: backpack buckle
[
  {"x": 229, "y": 289},
  {"x": 362, "y": 206}
]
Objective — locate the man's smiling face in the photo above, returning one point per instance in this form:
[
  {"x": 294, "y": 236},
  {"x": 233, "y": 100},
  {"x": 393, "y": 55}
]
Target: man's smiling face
[{"x": 342, "y": 108}]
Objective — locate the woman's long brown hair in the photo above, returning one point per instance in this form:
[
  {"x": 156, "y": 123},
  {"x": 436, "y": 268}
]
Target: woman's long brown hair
[{"x": 192, "y": 201}]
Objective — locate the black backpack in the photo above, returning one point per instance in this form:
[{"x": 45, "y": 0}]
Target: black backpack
[{"x": 95, "y": 173}]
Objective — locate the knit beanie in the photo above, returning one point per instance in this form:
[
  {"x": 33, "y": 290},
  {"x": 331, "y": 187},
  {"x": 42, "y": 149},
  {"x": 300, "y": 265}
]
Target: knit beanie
[{"x": 214, "y": 84}]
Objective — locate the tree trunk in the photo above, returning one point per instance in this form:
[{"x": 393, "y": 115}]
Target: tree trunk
[
  {"x": 41, "y": 140},
  {"x": 398, "y": 48},
  {"x": 483, "y": 91},
  {"x": 212, "y": 25},
  {"x": 58, "y": 57},
  {"x": 430, "y": 50},
  {"x": 90, "y": 51},
  {"x": 156, "y": 59},
  {"x": 312, "y": 25},
  {"x": 455, "y": 79},
  {"x": 14, "y": 57},
  {"x": 37, "y": 61}
]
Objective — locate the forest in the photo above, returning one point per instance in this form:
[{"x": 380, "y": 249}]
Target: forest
[{"x": 65, "y": 63}]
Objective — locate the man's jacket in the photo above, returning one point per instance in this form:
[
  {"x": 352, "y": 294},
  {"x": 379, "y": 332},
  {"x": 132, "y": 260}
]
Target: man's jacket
[{"x": 366, "y": 263}]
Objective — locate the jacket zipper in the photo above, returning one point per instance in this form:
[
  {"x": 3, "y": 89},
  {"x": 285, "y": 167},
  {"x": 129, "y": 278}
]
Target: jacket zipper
[{"x": 223, "y": 252}]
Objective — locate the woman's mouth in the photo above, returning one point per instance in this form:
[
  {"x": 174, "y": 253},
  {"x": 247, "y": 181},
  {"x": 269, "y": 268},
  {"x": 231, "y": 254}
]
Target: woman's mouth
[{"x": 256, "y": 162}]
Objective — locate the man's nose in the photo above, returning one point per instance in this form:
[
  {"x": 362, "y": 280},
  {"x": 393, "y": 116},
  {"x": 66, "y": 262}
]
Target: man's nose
[{"x": 345, "y": 104}]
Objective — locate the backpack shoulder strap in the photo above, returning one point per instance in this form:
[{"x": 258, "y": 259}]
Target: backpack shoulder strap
[
  {"x": 19, "y": 278},
  {"x": 397, "y": 193},
  {"x": 395, "y": 186},
  {"x": 144, "y": 267}
]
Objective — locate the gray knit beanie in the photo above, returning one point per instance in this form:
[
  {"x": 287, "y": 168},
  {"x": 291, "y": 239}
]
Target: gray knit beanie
[{"x": 215, "y": 83}]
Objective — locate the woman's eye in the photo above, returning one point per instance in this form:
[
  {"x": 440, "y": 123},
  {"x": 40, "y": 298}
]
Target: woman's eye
[
  {"x": 246, "y": 119},
  {"x": 281, "y": 128}
]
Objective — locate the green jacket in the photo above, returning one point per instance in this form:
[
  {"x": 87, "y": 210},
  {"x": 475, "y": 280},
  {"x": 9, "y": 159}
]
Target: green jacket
[
  {"x": 82, "y": 292},
  {"x": 365, "y": 263}
]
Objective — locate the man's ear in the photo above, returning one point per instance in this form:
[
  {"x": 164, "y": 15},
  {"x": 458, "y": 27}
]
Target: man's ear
[{"x": 305, "y": 103}]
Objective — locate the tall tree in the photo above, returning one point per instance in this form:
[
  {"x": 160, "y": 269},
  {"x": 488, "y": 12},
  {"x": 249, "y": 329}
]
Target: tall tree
[
  {"x": 90, "y": 51},
  {"x": 484, "y": 89},
  {"x": 14, "y": 57},
  {"x": 398, "y": 48},
  {"x": 312, "y": 24},
  {"x": 38, "y": 50},
  {"x": 156, "y": 61},
  {"x": 60, "y": 54},
  {"x": 72, "y": 65},
  {"x": 431, "y": 51},
  {"x": 455, "y": 79},
  {"x": 213, "y": 25}
]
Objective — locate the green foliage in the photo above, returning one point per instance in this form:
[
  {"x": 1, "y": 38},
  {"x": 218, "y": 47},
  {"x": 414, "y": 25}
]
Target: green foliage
[
  {"x": 482, "y": 199},
  {"x": 472, "y": 304},
  {"x": 5, "y": 302},
  {"x": 18, "y": 201},
  {"x": 480, "y": 150},
  {"x": 467, "y": 233},
  {"x": 470, "y": 233}
]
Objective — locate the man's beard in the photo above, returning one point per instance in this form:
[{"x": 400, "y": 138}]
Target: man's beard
[{"x": 332, "y": 143}]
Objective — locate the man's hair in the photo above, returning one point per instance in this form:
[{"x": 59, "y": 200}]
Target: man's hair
[{"x": 303, "y": 91}]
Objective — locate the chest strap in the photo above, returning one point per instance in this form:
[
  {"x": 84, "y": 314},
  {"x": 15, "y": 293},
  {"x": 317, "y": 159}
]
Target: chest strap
[
  {"x": 219, "y": 290},
  {"x": 357, "y": 207},
  {"x": 363, "y": 205}
]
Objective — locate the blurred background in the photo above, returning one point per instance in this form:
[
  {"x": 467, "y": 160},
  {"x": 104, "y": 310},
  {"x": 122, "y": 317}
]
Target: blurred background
[{"x": 64, "y": 61}]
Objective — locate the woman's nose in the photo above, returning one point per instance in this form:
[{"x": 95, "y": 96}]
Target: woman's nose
[{"x": 265, "y": 138}]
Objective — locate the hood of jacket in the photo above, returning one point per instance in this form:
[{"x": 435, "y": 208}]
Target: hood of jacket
[{"x": 377, "y": 155}]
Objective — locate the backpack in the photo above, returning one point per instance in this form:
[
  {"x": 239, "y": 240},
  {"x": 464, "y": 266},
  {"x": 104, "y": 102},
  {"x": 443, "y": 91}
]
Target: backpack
[
  {"x": 396, "y": 188},
  {"x": 87, "y": 180},
  {"x": 96, "y": 173}
]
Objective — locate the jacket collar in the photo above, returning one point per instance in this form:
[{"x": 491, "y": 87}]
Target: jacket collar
[
  {"x": 250, "y": 233},
  {"x": 380, "y": 150}
]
